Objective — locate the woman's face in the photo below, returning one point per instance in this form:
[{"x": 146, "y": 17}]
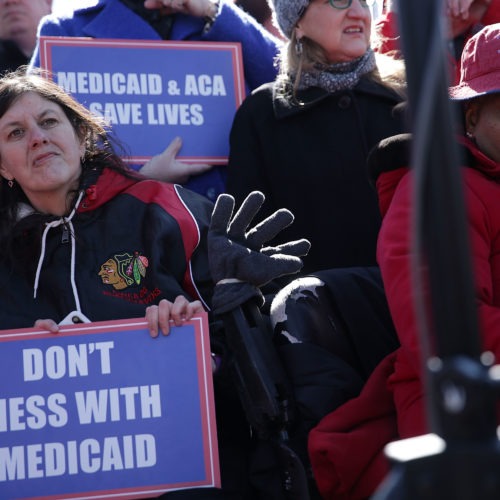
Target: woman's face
[
  {"x": 482, "y": 120},
  {"x": 344, "y": 34},
  {"x": 40, "y": 150}
]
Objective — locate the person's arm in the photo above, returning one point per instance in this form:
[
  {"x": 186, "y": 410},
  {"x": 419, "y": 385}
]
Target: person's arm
[
  {"x": 465, "y": 14},
  {"x": 484, "y": 226},
  {"x": 395, "y": 257},
  {"x": 492, "y": 14},
  {"x": 387, "y": 39},
  {"x": 198, "y": 280},
  {"x": 458, "y": 8}
]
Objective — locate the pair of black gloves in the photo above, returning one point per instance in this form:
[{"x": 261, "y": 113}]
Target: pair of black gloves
[{"x": 240, "y": 263}]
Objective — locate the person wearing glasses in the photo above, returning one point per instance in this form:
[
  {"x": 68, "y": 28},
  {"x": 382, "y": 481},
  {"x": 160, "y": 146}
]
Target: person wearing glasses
[
  {"x": 347, "y": 447},
  {"x": 303, "y": 140}
]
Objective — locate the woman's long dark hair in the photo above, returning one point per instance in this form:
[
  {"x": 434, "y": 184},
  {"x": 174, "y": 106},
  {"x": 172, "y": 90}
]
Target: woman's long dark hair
[{"x": 100, "y": 150}]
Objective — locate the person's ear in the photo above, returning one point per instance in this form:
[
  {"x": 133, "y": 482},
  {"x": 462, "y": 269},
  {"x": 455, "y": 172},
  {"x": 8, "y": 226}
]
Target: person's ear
[
  {"x": 471, "y": 118},
  {"x": 299, "y": 32},
  {"x": 81, "y": 136},
  {"x": 82, "y": 149},
  {"x": 6, "y": 174}
]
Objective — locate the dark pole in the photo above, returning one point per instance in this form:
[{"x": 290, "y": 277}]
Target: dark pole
[
  {"x": 461, "y": 458},
  {"x": 449, "y": 325}
]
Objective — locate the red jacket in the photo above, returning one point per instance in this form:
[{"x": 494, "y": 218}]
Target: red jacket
[{"x": 346, "y": 448}]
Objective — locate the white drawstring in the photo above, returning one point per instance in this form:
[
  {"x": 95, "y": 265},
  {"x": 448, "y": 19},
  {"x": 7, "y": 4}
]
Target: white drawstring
[{"x": 48, "y": 227}]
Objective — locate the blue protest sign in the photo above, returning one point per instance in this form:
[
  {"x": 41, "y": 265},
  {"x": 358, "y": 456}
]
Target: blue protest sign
[
  {"x": 152, "y": 91},
  {"x": 103, "y": 410}
]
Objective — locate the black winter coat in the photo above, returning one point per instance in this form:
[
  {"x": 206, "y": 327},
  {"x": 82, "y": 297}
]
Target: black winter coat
[
  {"x": 11, "y": 56},
  {"x": 311, "y": 159}
]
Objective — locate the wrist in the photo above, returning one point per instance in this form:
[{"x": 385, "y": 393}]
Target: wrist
[{"x": 211, "y": 13}]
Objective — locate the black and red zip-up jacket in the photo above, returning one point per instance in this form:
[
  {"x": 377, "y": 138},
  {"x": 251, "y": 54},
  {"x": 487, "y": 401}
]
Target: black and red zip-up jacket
[{"x": 135, "y": 242}]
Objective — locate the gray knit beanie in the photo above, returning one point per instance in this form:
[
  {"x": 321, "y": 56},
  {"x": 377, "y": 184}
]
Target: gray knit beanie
[{"x": 288, "y": 12}]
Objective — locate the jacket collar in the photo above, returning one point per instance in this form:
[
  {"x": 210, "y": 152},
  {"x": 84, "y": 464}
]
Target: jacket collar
[
  {"x": 388, "y": 180},
  {"x": 480, "y": 161},
  {"x": 109, "y": 184},
  {"x": 308, "y": 98}
]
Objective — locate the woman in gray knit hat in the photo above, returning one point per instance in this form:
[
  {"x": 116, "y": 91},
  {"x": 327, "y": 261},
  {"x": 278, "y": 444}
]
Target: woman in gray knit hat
[{"x": 303, "y": 140}]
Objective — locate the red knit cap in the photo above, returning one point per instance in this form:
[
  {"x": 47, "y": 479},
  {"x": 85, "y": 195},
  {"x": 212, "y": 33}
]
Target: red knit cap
[{"x": 479, "y": 65}]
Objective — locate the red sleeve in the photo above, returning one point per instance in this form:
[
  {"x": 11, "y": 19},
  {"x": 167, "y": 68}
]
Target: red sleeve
[
  {"x": 492, "y": 15},
  {"x": 387, "y": 34},
  {"x": 347, "y": 447},
  {"x": 394, "y": 255},
  {"x": 483, "y": 208}
]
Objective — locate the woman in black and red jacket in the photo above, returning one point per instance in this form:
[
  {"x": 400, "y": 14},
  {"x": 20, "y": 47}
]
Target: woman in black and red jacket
[
  {"x": 79, "y": 231},
  {"x": 82, "y": 236}
]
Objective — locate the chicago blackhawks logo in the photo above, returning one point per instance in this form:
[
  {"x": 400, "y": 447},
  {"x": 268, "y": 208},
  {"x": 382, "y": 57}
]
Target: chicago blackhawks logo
[{"x": 124, "y": 270}]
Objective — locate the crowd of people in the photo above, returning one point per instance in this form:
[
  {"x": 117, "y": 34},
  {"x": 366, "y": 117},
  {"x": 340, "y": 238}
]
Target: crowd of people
[
  {"x": 326, "y": 101},
  {"x": 392, "y": 404}
]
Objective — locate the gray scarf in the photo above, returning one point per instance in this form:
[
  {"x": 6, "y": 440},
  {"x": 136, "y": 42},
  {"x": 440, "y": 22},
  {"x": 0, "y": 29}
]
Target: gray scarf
[{"x": 338, "y": 76}]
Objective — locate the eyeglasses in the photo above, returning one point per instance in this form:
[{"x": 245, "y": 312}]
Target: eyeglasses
[{"x": 345, "y": 4}]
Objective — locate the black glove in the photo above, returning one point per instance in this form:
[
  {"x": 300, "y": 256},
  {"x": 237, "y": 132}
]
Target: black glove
[{"x": 239, "y": 263}]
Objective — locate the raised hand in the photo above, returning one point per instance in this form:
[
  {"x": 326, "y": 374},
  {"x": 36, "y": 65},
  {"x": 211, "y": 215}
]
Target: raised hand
[{"x": 239, "y": 261}]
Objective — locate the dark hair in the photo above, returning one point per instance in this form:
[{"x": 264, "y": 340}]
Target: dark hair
[{"x": 91, "y": 129}]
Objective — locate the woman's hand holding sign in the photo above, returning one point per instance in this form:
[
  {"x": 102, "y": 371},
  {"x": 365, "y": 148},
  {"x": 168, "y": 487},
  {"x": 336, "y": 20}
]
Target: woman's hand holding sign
[
  {"x": 159, "y": 316},
  {"x": 165, "y": 167}
]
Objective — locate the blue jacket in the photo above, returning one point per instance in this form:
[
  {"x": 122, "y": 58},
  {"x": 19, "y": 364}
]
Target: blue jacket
[{"x": 112, "y": 19}]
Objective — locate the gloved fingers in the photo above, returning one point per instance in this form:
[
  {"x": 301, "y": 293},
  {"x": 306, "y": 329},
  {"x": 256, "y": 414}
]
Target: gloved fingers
[
  {"x": 284, "y": 264},
  {"x": 299, "y": 248},
  {"x": 244, "y": 216},
  {"x": 259, "y": 269},
  {"x": 269, "y": 228},
  {"x": 221, "y": 214}
]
